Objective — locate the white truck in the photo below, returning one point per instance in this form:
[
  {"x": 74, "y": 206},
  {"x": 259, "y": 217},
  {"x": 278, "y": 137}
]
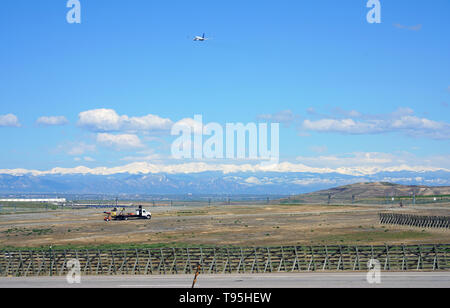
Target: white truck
[
  {"x": 140, "y": 213},
  {"x": 143, "y": 213}
]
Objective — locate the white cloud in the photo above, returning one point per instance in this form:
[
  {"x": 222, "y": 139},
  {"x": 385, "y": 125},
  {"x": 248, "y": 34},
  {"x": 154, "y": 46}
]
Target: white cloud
[
  {"x": 107, "y": 120},
  {"x": 79, "y": 148},
  {"x": 100, "y": 120},
  {"x": 52, "y": 121},
  {"x": 285, "y": 117},
  {"x": 347, "y": 126},
  {"x": 149, "y": 123},
  {"x": 195, "y": 126},
  {"x": 9, "y": 120},
  {"x": 402, "y": 120},
  {"x": 412, "y": 28},
  {"x": 253, "y": 180},
  {"x": 120, "y": 142},
  {"x": 341, "y": 112}
]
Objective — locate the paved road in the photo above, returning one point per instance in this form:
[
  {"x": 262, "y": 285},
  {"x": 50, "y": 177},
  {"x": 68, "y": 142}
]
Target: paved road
[{"x": 302, "y": 280}]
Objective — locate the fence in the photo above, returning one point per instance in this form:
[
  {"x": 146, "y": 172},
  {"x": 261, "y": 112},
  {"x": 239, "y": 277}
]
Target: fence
[
  {"x": 381, "y": 200},
  {"x": 415, "y": 220},
  {"x": 224, "y": 260}
]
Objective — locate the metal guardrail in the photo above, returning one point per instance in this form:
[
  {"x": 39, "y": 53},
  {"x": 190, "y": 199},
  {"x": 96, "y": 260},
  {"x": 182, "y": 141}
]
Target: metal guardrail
[
  {"x": 224, "y": 260},
  {"x": 439, "y": 222}
]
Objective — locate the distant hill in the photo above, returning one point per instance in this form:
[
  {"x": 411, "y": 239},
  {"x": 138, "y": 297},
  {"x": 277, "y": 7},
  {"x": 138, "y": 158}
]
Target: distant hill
[{"x": 367, "y": 191}]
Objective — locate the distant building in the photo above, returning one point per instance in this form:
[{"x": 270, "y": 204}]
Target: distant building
[{"x": 59, "y": 200}]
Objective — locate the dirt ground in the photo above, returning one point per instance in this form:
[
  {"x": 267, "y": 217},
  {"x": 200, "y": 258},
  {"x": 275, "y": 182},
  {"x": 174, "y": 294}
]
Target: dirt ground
[{"x": 237, "y": 225}]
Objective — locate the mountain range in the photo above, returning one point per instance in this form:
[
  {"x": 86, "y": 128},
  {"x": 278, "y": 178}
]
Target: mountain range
[{"x": 261, "y": 183}]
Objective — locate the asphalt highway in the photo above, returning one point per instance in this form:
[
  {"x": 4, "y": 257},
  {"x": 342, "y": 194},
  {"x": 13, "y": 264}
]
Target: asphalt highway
[{"x": 265, "y": 281}]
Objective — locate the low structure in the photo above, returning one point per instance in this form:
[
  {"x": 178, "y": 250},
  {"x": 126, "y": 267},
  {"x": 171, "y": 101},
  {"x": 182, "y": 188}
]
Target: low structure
[{"x": 58, "y": 200}]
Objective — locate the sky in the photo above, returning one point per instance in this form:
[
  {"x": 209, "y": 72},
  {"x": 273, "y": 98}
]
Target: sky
[{"x": 105, "y": 93}]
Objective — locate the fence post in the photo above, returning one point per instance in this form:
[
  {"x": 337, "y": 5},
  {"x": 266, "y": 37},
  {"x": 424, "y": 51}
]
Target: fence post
[
  {"x": 269, "y": 261},
  {"x": 387, "y": 264},
  {"x": 149, "y": 263},
  {"x": 296, "y": 262},
  {"x": 419, "y": 260},
  {"x": 436, "y": 259}
]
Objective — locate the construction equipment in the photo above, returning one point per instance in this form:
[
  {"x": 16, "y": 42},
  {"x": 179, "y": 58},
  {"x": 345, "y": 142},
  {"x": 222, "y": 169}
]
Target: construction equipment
[{"x": 140, "y": 213}]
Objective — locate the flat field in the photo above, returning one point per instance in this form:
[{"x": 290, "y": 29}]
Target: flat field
[{"x": 221, "y": 225}]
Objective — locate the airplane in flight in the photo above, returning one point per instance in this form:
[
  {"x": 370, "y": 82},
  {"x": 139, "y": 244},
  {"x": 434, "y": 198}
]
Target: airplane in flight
[{"x": 200, "y": 38}]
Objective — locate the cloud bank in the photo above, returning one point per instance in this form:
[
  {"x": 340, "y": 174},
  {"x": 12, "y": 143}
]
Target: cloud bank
[
  {"x": 9, "y": 120},
  {"x": 120, "y": 142},
  {"x": 402, "y": 121},
  {"x": 52, "y": 121},
  {"x": 107, "y": 120}
]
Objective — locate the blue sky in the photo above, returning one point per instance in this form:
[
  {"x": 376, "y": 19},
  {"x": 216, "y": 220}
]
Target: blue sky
[{"x": 348, "y": 93}]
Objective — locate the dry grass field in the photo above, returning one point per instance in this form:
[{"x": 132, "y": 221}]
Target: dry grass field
[{"x": 235, "y": 225}]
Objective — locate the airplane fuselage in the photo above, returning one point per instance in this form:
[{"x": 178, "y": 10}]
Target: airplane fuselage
[{"x": 200, "y": 38}]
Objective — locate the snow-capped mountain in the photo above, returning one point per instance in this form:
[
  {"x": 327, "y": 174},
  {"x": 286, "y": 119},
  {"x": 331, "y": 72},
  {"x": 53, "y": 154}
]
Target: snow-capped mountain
[{"x": 285, "y": 183}]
